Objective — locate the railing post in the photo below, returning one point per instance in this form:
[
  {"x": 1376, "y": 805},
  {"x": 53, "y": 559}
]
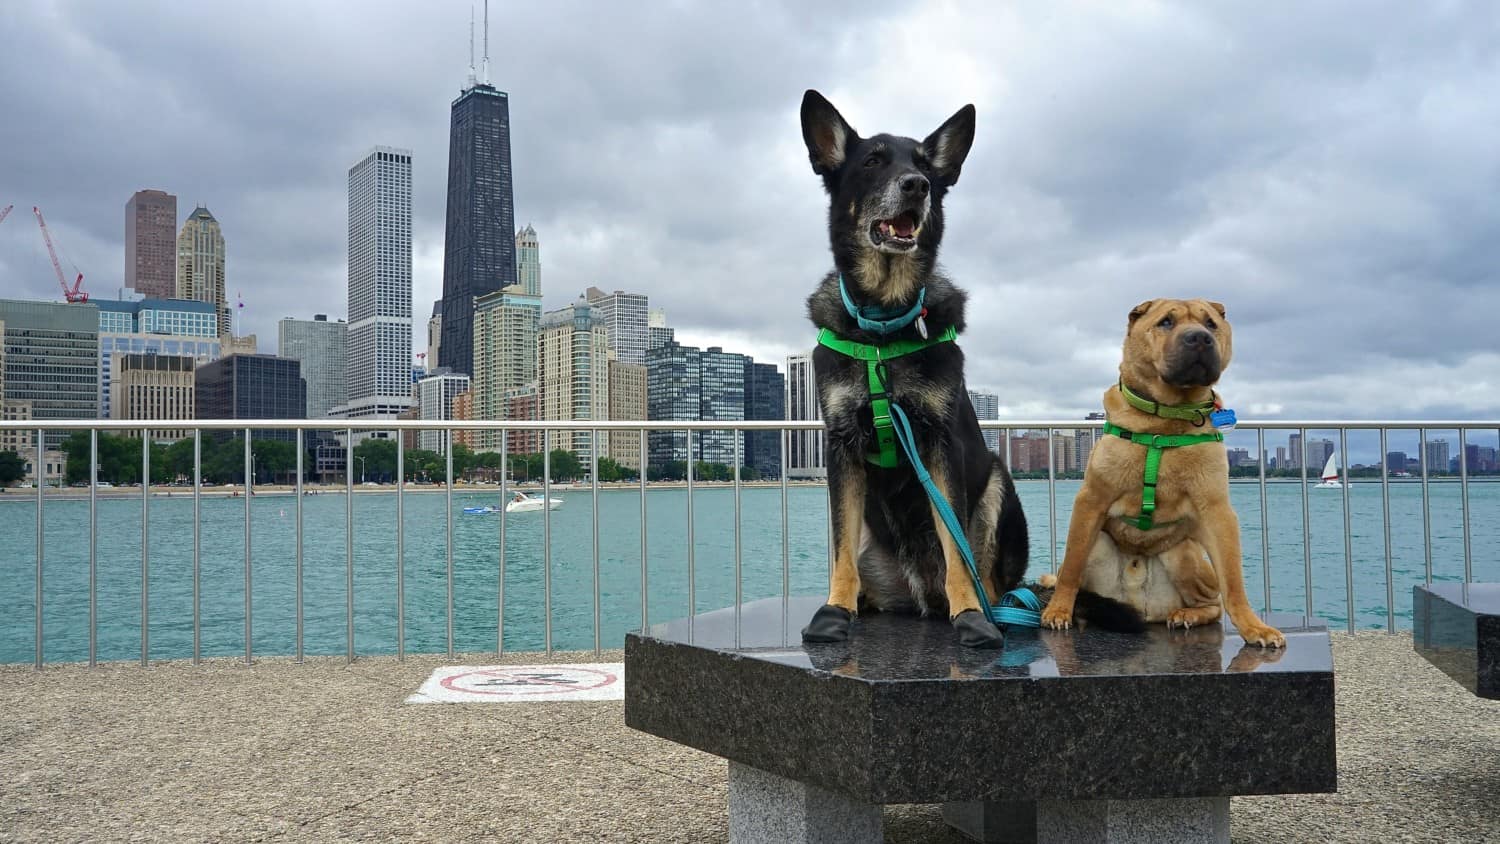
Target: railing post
[
  {"x": 145, "y": 548},
  {"x": 645, "y": 464},
  {"x": 448, "y": 506},
  {"x": 301, "y": 470},
  {"x": 547, "y": 540},
  {"x": 738, "y": 593},
  {"x": 1348, "y": 538},
  {"x": 401, "y": 546},
  {"x": 1265, "y": 539},
  {"x": 1052, "y": 498},
  {"x": 594, "y": 490},
  {"x": 500, "y": 586},
  {"x": 692, "y": 571},
  {"x": 94, "y": 547},
  {"x": 1385, "y": 522},
  {"x": 249, "y": 491},
  {"x": 1463, "y": 488},
  {"x": 785, "y": 440},
  {"x": 41, "y": 484},
  {"x": 198, "y": 543},
  {"x": 1426, "y": 508},
  {"x": 349, "y": 544},
  {"x": 1306, "y": 528}
]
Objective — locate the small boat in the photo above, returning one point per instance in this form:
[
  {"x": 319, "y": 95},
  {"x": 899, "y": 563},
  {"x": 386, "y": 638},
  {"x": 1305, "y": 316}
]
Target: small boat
[
  {"x": 523, "y": 503},
  {"x": 1330, "y": 479},
  {"x": 486, "y": 510}
]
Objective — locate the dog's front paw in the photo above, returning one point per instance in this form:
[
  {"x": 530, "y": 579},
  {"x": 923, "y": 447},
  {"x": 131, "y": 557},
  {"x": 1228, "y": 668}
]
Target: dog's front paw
[
  {"x": 976, "y": 631},
  {"x": 1262, "y": 635},
  {"x": 829, "y": 624},
  {"x": 1058, "y": 615},
  {"x": 1187, "y": 617}
]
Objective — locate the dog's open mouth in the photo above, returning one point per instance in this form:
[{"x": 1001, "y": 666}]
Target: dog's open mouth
[{"x": 899, "y": 233}]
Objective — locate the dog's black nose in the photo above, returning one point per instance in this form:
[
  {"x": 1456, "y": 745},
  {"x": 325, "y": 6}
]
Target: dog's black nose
[
  {"x": 1197, "y": 339},
  {"x": 914, "y": 185}
]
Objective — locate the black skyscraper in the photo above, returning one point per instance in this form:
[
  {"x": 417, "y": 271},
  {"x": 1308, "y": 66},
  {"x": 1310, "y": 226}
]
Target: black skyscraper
[{"x": 479, "y": 251}]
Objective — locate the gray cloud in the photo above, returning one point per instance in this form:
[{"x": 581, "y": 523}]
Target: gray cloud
[{"x": 1326, "y": 171}]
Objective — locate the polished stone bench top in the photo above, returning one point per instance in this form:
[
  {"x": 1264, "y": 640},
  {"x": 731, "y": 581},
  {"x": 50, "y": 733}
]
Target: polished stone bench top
[
  {"x": 1456, "y": 627},
  {"x": 901, "y": 713}
]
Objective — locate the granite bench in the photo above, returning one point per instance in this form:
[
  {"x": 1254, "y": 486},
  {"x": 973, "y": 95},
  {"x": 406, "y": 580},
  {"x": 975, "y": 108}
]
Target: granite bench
[
  {"x": 1074, "y": 736},
  {"x": 1456, "y": 627}
]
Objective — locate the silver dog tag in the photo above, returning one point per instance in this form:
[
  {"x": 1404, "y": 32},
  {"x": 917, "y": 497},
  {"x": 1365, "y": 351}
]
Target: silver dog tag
[{"x": 922, "y": 327}]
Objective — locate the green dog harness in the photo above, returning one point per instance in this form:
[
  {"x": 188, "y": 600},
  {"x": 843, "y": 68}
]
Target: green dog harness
[
  {"x": 885, "y": 456},
  {"x": 1155, "y": 444}
]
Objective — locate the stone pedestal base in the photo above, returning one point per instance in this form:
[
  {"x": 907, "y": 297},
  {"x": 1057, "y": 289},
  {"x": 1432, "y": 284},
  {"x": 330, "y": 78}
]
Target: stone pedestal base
[
  {"x": 1199, "y": 820},
  {"x": 995, "y": 821},
  {"x": 766, "y": 808}
]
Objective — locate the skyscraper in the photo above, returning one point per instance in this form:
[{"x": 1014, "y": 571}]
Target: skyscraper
[
  {"x": 434, "y": 335},
  {"x": 379, "y": 356},
  {"x": 529, "y": 261},
  {"x": 765, "y": 398},
  {"x": 987, "y": 408},
  {"x": 505, "y": 353},
  {"x": 805, "y": 460},
  {"x": 200, "y": 265},
  {"x": 153, "y": 326},
  {"x": 151, "y": 244},
  {"x": 323, "y": 349},
  {"x": 251, "y": 387},
  {"x": 658, "y": 333},
  {"x": 627, "y": 400},
  {"x": 152, "y": 386},
  {"x": 624, "y": 316},
  {"x": 479, "y": 245},
  {"x": 435, "y": 395},
  {"x": 50, "y": 361},
  {"x": 573, "y": 373}
]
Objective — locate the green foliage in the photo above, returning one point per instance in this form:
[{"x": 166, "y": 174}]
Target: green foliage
[
  {"x": 12, "y": 468},
  {"x": 610, "y": 471}
]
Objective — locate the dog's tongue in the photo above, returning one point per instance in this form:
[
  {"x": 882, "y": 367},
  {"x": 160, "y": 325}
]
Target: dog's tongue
[{"x": 903, "y": 225}]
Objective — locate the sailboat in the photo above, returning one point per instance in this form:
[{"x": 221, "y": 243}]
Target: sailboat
[{"x": 1330, "y": 474}]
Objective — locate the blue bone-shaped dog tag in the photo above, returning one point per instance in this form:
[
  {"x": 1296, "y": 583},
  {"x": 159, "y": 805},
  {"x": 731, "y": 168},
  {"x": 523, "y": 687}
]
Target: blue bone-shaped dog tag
[{"x": 1222, "y": 419}]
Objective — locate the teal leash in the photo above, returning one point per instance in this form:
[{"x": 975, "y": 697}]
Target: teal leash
[{"x": 1018, "y": 607}]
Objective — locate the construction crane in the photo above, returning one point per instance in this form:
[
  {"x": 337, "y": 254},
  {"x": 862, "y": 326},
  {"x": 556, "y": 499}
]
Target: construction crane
[
  {"x": 76, "y": 294},
  {"x": 5, "y": 212}
]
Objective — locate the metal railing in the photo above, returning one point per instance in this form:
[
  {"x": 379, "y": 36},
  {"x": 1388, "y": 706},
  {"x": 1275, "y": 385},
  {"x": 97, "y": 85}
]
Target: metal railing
[{"x": 786, "y": 430}]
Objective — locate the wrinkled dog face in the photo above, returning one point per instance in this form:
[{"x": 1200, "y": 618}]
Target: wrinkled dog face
[
  {"x": 1182, "y": 343},
  {"x": 886, "y": 190}
]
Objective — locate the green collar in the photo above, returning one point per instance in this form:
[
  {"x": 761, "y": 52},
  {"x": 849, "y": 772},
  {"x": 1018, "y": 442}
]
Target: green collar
[
  {"x": 1194, "y": 412},
  {"x": 885, "y": 455},
  {"x": 1155, "y": 444}
]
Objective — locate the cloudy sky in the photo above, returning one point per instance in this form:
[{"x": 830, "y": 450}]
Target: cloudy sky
[{"x": 1329, "y": 170}]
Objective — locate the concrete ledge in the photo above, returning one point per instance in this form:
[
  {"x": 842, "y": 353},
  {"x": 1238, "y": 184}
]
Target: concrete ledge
[
  {"x": 766, "y": 808},
  {"x": 1456, "y": 627}
]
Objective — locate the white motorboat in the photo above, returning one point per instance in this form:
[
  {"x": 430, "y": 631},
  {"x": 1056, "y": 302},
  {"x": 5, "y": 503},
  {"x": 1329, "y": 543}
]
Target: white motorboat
[
  {"x": 523, "y": 503},
  {"x": 1330, "y": 479}
]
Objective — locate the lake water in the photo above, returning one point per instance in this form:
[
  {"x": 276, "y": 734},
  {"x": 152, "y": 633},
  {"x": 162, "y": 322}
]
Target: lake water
[{"x": 476, "y": 564}]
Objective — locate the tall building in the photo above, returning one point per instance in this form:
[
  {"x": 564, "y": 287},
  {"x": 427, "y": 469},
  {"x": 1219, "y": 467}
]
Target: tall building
[
  {"x": 987, "y": 408},
  {"x": 657, "y": 332},
  {"x": 529, "y": 261},
  {"x": 523, "y": 403},
  {"x": 479, "y": 244},
  {"x": 434, "y": 335},
  {"x": 627, "y": 400},
  {"x": 200, "y": 265},
  {"x": 805, "y": 459},
  {"x": 322, "y": 348},
  {"x": 765, "y": 398},
  {"x": 152, "y": 386},
  {"x": 51, "y": 360},
  {"x": 1317, "y": 453},
  {"x": 1437, "y": 456},
  {"x": 1029, "y": 452},
  {"x": 1294, "y": 451},
  {"x": 506, "y": 324},
  {"x": 153, "y": 326},
  {"x": 573, "y": 373},
  {"x": 151, "y": 244},
  {"x": 674, "y": 392},
  {"x": 686, "y": 384},
  {"x": 251, "y": 387},
  {"x": 435, "y": 400},
  {"x": 624, "y": 316},
  {"x": 379, "y": 347}
]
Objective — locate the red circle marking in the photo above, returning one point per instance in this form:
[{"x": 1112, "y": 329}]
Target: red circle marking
[{"x": 605, "y": 678}]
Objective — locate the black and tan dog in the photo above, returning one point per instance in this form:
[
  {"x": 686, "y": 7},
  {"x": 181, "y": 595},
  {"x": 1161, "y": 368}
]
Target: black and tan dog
[
  {"x": 885, "y": 222},
  {"x": 1182, "y": 563}
]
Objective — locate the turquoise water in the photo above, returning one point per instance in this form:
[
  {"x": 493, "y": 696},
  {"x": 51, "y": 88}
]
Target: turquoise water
[{"x": 475, "y": 564}]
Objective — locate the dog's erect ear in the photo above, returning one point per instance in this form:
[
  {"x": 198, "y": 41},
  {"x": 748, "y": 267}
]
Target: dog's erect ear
[
  {"x": 1140, "y": 310},
  {"x": 827, "y": 134},
  {"x": 949, "y": 145},
  {"x": 1218, "y": 307}
]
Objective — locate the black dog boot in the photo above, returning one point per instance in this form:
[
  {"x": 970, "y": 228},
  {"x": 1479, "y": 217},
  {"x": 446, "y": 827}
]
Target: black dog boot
[
  {"x": 829, "y": 624},
  {"x": 974, "y": 630}
]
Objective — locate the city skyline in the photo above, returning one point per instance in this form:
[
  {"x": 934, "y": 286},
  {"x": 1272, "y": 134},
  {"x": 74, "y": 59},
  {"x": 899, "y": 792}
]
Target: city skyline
[{"x": 1112, "y": 180}]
